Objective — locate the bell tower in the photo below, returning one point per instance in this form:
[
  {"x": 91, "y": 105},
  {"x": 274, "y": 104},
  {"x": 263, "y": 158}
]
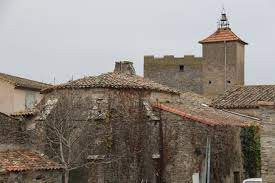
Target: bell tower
[{"x": 223, "y": 59}]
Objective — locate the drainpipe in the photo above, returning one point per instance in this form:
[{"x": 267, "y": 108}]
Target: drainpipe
[
  {"x": 225, "y": 63},
  {"x": 161, "y": 148}
]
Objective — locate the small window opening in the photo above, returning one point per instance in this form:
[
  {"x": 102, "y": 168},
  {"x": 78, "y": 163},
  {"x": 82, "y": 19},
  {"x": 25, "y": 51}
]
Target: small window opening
[
  {"x": 181, "y": 68},
  {"x": 228, "y": 81},
  {"x": 40, "y": 177},
  {"x": 209, "y": 82},
  {"x": 237, "y": 178}
]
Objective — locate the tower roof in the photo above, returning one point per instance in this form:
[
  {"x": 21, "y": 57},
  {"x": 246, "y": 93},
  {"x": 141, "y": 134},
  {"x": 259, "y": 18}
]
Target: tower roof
[{"x": 221, "y": 35}]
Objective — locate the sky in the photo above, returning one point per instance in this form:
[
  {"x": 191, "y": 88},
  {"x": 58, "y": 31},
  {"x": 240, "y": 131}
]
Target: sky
[{"x": 57, "y": 40}]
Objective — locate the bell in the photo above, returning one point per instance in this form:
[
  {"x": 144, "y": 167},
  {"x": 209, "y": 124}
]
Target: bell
[{"x": 223, "y": 18}]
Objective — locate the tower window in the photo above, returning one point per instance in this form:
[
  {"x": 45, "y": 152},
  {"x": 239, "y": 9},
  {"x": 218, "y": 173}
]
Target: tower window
[
  {"x": 209, "y": 82},
  {"x": 228, "y": 81},
  {"x": 181, "y": 68}
]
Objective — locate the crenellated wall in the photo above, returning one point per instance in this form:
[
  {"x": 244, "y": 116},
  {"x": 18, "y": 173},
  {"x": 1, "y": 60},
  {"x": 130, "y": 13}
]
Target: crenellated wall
[{"x": 182, "y": 73}]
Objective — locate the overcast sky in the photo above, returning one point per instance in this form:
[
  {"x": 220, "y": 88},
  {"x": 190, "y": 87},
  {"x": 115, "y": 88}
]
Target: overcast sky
[{"x": 47, "y": 39}]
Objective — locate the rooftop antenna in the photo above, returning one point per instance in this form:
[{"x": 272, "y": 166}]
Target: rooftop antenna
[{"x": 223, "y": 22}]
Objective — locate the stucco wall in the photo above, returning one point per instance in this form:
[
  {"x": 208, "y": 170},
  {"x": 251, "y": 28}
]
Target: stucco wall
[
  {"x": 6, "y": 97},
  {"x": 14, "y": 100},
  {"x": 20, "y": 97}
]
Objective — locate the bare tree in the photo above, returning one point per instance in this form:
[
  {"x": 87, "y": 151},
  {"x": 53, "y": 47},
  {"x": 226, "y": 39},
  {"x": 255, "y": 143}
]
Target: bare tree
[
  {"x": 112, "y": 128},
  {"x": 71, "y": 130}
]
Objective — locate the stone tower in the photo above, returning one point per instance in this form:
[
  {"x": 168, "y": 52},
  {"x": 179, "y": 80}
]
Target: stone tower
[
  {"x": 223, "y": 60},
  {"x": 220, "y": 67}
]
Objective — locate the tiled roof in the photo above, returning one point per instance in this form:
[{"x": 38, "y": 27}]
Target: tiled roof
[
  {"x": 23, "y": 113},
  {"x": 6, "y": 118},
  {"x": 244, "y": 97},
  {"x": 25, "y": 160},
  {"x": 114, "y": 80},
  {"x": 22, "y": 82},
  {"x": 191, "y": 108},
  {"x": 222, "y": 34}
]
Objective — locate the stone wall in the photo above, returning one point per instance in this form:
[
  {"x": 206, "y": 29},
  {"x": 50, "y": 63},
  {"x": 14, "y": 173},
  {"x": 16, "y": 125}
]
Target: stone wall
[
  {"x": 117, "y": 133},
  {"x": 49, "y": 176},
  {"x": 181, "y": 73},
  {"x": 268, "y": 143},
  {"x": 218, "y": 76},
  {"x": 12, "y": 134},
  {"x": 185, "y": 147}
]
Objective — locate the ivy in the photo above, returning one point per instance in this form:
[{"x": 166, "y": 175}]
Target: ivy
[{"x": 251, "y": 150}]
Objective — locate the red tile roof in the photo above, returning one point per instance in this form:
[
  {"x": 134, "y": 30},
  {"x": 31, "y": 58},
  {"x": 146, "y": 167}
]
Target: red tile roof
[
  {"x": 244, "y": 97},
  {"x": 23, "y": 82},
  {"x": 116, "y": 81},
  {"x": 26, "y": 113},
  {"x": 196, "y": 108},
  {"x": 185, "y": 115},
  {"x": 222, "y": 34},
  {"x": 25, "y": 160}
]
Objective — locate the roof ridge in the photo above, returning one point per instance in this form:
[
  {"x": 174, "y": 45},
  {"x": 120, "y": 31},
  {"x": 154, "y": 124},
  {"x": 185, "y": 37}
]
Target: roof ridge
[
  {"x": 114, "y": 80},
  {"x": 19, "y": 77},
  {"x": 18, "y": 81}
]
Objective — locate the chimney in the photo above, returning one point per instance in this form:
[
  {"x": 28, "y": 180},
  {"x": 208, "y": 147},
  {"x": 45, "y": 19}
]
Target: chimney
[{"x": 125, "y": 67}]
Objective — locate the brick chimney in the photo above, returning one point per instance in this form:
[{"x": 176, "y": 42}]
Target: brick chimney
[{"x": 125, "y": 67}]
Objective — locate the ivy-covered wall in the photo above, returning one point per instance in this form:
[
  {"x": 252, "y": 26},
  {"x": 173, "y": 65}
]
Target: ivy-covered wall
[
  {"x": 185, "y": 147},
  {"x": 117, "y": 134},
  {"x": 251, "y": 149}
]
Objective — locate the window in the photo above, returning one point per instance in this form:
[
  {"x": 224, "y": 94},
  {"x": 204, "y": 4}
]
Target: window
[
  {"x": 228, "y": 81},
  {"x": 181, "y": 68},
  {"x": 30, "y": 100},
  {"x": 237, "y": 178},
  {"x": 209, "y": 82}
]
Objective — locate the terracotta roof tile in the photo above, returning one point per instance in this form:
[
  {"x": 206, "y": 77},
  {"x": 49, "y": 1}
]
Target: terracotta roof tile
[
  {"x": 24, "y": 160},
  {"x": 22, "y": 82},
  {"x": 114, "y": 80},
  {"x": 244, "y": 97},
  {"x": 222, "y": 34},
  {"x": 23, "y": 113},
  {"x": 191, "y": 108}
]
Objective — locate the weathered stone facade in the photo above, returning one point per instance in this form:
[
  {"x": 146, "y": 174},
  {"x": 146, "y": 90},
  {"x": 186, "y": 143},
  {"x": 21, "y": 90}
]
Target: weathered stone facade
[
  {"x": 223, "y": 66},
  {"x": 184, "y": 73},
  {"x": 14, "y": 163},
  {"x": 32, "y": 177},
  {"x": 268, "y": 142},
  {"x": 185, "y": 146},
  {"x": 117, "y": 130},
  {"x": 220, "y": 67},
  {"x": 12, "y": 133},
  {"x": 118, "y": 137}
]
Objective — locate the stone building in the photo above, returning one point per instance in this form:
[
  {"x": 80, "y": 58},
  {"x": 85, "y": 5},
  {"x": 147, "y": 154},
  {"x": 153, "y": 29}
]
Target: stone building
[
  {"x": 129, "y": 129},
  {"x": 19, "y": 95},
  {"x": 221, "y": 65},
  {"x": 258, "y": 102},
  {"x": 24, "y": 166},
  {"x": 189, "y": 125},
  {"x": 19, "y": 163}
]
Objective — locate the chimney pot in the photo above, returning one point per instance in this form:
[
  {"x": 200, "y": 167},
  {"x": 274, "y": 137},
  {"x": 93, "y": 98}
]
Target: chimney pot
[{"x": 125, "y": 67}]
